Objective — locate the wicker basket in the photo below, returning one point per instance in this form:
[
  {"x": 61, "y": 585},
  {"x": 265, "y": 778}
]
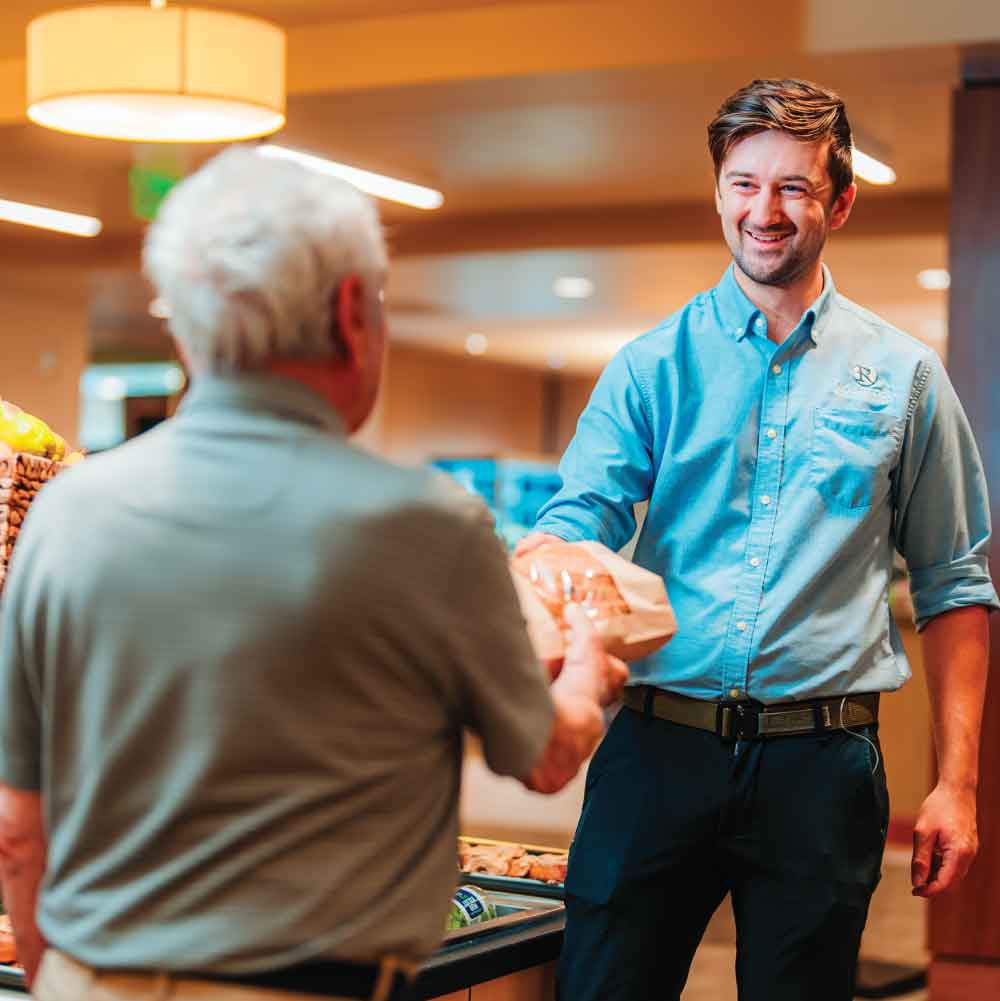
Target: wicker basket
[{"x": 21, "y": 477}]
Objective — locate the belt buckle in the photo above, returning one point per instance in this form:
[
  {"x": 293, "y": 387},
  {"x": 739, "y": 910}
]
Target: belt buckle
[{"x": 736, "y": 720}]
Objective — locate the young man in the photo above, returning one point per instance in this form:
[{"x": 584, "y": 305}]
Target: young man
[
  {"x": 238, "y": 653},
  {"x": 788, "y": 442}
]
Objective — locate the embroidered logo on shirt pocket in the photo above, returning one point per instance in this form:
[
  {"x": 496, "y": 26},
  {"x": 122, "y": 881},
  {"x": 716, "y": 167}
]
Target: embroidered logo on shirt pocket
[{"x": 852, "y": 456}]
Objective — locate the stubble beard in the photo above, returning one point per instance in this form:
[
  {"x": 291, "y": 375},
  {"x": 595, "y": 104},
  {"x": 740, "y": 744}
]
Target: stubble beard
[{"x": 786, "y": 271}]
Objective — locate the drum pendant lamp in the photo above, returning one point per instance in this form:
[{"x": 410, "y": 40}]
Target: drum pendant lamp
[{"x": 156, "y": 74}]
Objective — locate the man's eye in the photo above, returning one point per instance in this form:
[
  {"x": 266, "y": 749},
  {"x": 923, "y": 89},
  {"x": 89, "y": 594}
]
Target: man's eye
[
  {"x": 793, "y": 189},
  {"x": 744, "y": 185}
]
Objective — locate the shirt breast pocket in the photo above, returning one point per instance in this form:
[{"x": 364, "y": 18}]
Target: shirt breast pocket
[{"x": 852, "y": 456}]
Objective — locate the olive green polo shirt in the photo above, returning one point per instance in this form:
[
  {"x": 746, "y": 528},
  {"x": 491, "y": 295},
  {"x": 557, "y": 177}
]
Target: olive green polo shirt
[{"x": 237, "y": 658}]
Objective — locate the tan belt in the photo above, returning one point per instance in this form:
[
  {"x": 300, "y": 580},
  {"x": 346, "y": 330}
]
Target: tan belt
[{"x": 744, "y": 719}]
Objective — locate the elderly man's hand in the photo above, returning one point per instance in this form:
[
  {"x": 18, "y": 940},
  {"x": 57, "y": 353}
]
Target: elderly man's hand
[
  {"x": 945, "y": 840},
  {"x": 586, "y": 655}
]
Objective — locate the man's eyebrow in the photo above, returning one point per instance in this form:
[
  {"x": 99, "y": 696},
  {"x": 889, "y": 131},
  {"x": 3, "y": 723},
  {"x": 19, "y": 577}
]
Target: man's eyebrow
[{"x": 739, "y": 173}]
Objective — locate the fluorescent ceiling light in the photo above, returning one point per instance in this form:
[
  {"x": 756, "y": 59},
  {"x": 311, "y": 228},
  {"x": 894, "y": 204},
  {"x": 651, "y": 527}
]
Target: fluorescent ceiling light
[
  {"x": 935, "y": 279},
  {"x": 59, "y": 222},
  {"x": 871, "y": 170},
  {"x": 377, "y": 185},
  {"x": 573, "y": 287},
  {"x": 476, "y": 344}
]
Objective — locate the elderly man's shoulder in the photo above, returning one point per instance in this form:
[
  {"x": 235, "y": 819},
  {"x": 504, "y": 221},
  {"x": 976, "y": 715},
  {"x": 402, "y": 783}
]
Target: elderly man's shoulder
[{"x": 410, "y": 489}]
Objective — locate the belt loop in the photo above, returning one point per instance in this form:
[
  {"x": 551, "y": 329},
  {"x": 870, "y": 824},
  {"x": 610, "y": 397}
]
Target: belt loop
[
  {"x": 162, "y": 987},
  {"x": 647, "y": 705},
  {"x": 386, "y": 978},
  {"x": 818, "y": 723}
]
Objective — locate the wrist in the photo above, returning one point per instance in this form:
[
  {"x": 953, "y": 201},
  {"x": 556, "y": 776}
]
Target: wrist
[{"x": 959, "y": 785}]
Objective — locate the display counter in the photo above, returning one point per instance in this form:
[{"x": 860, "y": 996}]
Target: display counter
[{"x": 511, "y": 958}]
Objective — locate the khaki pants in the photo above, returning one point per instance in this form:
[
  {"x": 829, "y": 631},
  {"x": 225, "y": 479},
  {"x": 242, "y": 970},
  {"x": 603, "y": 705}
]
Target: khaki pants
[{"x": 62, "y": 978}]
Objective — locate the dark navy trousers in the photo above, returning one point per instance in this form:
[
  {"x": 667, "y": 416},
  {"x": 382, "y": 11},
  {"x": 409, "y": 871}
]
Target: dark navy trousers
[{"x": 674, "y": 818}]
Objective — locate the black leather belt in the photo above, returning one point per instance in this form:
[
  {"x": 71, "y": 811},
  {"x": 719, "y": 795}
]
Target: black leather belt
[
  {"x": 328, "y": 979},
  {"x": 746, "y": 719}
]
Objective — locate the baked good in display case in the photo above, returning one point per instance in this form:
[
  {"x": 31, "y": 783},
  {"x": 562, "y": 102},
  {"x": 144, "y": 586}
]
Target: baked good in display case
[
  {"x": 30, "y": 455},
  {"x": 627, "y": 604},
  {"x": 512, "y": 864}
]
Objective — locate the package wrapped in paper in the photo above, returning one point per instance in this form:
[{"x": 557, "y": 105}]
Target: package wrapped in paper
[{"x": 627, "y": 604}]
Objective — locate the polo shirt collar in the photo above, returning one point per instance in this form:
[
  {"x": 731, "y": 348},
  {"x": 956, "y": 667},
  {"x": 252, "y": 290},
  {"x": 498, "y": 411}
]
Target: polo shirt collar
[
  {"x": 256, "y": 393},
  {"x": 739, "y": 314}
]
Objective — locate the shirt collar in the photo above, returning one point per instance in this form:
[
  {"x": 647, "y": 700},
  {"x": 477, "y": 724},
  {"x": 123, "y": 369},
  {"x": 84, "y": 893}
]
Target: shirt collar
[
  {"x": 738, "y": 313},
  {"x": 261, "y": 393}
]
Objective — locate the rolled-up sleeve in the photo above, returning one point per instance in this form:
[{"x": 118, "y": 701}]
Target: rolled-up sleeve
[
  {"x": 608, "y": 466},
  {"x": 942, "y": 506}
]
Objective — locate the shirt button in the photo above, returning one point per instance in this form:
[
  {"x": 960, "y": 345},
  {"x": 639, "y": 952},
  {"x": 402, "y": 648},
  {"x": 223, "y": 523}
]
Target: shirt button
[
  {"x": 772, "y": 434},
  {"x": 755, "y": 562},
  {"x": 776, "y": 369},
  {"x": 734, "y": 693},
  {"x": 737, "y": 331},
  {"x": 741, "y": 626},
  {"x": 766, "y": 500},
  {"x": 759, "y": 323}
]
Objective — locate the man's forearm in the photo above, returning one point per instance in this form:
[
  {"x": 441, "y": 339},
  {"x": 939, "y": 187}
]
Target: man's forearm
[
  {"x": 956, "y": 658},
  {"x": 23, "y": 853}
]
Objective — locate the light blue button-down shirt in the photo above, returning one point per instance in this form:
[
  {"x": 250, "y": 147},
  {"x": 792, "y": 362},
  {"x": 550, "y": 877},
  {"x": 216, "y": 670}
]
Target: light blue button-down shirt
[{"x": 780, "y": 481}]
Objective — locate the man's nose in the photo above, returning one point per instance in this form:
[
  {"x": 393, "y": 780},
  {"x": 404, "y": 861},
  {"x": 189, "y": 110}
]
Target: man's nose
[{"x": 766, "y": 210}]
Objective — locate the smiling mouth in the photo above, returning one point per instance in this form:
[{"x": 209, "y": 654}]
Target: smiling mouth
[{"x": 769, "y": 239}]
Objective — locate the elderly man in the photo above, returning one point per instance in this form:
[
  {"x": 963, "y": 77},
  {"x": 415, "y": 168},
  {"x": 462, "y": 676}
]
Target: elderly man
[{"x": 238, "y": 654}]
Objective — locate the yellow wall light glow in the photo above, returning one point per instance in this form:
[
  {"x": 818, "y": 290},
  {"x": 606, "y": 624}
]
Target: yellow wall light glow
[
  {"x": 53, "y": 219},
  {"x": 175, "y": 74}
]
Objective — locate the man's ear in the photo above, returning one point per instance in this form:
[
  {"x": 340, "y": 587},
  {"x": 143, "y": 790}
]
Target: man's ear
[
  {"x": 842, "y": 206},
  {"x": 350, "y": 325},
  {"x": 718, "y": 199}
]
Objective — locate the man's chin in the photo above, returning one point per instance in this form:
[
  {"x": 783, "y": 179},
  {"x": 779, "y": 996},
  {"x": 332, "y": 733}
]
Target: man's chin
[{"x": 777, "y": 273}]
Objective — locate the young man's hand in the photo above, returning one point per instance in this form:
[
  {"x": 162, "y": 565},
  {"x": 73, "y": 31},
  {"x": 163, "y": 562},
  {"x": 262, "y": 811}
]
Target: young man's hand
[
  {"x": 945, "y": 840},
  {"x": 533, "y": 541}
]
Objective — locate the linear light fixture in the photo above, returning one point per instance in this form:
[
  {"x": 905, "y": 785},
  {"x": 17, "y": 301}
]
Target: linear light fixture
[
  {"x": 378, "y": 185},
  {"x": 43, "y": 218},
  {"x": 871, "y": 170}
]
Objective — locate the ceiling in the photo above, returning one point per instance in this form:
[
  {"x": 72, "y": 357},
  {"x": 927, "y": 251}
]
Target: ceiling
[{"x": 586, "y": 147}]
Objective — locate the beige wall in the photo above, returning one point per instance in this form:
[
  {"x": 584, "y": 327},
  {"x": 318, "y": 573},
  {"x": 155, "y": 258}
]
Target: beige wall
[
  {"x": 436, "y": 404},
  {"x": 44, "y": 338}
]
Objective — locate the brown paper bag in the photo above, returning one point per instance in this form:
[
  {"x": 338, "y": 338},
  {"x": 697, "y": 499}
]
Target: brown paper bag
[{"x": 627, "y": 604}]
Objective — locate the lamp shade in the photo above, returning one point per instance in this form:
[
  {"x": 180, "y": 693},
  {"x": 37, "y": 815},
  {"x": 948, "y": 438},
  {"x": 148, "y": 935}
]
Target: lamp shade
[{"x": 173, "y": 75}]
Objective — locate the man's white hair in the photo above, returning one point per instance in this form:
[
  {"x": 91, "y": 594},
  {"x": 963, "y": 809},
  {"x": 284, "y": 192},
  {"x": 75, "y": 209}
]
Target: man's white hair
[{"x": 247, "y": 253}]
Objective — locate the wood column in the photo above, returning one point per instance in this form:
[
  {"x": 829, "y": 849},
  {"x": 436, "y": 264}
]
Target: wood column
[{"x": 965, "y": 925}]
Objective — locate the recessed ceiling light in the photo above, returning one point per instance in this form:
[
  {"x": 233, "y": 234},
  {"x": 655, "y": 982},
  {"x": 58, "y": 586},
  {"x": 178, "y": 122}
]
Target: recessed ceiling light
[
  {"x": 556, "y": 361},
  {"x": 871, "y": 170},
  {"x": 159, "y": 308},
  {"x": 377, "y": 185},
  {"x": 934, "y": 278},
  {"x": 53, "y": 219},
  {"x": 573, "y": 287},
  {"x": 476, "y": 344}
]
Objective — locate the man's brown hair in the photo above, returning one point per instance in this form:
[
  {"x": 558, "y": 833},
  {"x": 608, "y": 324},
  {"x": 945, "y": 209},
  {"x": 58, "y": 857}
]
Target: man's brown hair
[{"x": 804, "y": 110}]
